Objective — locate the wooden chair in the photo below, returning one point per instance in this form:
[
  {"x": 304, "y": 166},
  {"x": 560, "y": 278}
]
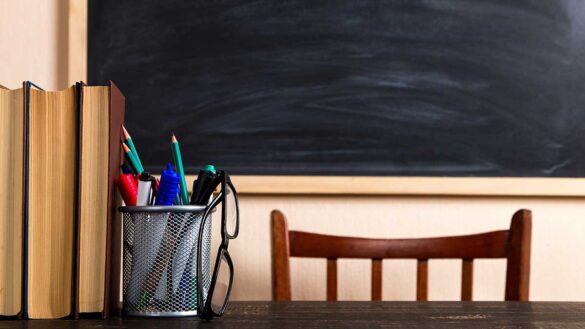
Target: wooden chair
[{"x": 513, "y": 244}]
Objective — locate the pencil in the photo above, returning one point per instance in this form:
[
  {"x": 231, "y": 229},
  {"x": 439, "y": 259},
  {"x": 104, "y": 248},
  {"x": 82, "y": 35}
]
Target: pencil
[
  {"x": 132, "y": 159},
  {"x": 179, "y": 168},
  {"x": 128, "y": 140}
]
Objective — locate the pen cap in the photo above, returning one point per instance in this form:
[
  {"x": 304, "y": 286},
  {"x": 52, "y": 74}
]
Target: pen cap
[
  {"x": 210, "y": 168},
  {"x": 168, "y": 188},
  {"x": 144, "y": 187},
  {"x": 128, "y": 189},
  {"x": 126, "y": 169},
  {"x": 145, "y": 177}
]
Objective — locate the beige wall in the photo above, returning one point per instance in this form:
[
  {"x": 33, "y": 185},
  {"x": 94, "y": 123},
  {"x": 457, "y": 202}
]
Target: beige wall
[
  {"x": 33, "y": 43},
  {"x": 557, "y": 249},
  {"x": 34, "y": 46}
]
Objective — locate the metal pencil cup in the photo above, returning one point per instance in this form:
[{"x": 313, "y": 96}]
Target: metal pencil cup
[{"x": 160, "y": 259}]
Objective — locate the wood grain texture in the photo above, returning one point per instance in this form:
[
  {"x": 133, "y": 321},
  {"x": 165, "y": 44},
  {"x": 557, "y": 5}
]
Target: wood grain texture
[
  {"x": 51, "y": 202},
  {"x": 286, "y": 315},
  {"x": 350, "y": 88},
  {"x": 11, "y": 199}
]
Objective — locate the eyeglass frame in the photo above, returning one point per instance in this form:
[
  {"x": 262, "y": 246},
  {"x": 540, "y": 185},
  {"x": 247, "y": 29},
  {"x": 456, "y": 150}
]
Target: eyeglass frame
[{"x": 207, "y": 312}]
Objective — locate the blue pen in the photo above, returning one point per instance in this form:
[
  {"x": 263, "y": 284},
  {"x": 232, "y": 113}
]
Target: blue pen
[{"x": 184, "y": 291}]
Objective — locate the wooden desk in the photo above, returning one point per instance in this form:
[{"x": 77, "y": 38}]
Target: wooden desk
[{"x": 243, "y": 315}]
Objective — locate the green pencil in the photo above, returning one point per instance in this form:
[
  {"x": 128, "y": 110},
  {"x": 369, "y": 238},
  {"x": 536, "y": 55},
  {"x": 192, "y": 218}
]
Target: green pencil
[
  {"x": 132, "y": 160},
  {"x": 128, "y": 140},
  {"x": 179, "y": 169}
]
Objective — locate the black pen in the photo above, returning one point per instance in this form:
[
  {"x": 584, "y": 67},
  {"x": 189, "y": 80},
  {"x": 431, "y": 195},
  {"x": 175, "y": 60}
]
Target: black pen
[{"x": 205, "y": 178}]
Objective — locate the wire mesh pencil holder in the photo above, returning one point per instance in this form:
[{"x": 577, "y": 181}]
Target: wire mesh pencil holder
[{"x": 160, "y": 259}]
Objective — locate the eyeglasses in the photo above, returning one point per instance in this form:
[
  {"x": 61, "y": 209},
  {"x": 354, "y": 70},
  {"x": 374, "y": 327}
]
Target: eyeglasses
[{"x": 214, "y": 300}]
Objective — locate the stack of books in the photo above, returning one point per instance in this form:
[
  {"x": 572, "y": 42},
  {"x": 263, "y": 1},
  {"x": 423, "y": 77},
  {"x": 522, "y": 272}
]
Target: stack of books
[{"x": 59, "y": 231}]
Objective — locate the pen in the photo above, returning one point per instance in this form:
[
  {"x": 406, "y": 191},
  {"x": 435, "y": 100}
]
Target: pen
[{"x": 144, "y": 187}]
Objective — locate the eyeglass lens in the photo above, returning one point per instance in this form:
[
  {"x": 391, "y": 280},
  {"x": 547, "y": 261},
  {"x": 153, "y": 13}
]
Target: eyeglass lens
[
  {"x": 231, "y": 211},
  {"x": 220, "y": 291}
]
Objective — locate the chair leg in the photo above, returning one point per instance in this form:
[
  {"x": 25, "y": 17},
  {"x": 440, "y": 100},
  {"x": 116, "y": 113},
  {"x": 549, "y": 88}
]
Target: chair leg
[
  {"x": 281, "y": 287},
  {"x": 331, "y": 280},
  {"x": 422, "y": 280},
  {"x": 518, "y": 250}
]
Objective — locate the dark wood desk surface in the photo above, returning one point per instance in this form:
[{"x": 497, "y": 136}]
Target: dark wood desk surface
[{"x": 354, "y": 315}]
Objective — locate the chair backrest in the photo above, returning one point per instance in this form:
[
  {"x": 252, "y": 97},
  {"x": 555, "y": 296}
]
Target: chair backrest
[{"x": 512, "y": 244}]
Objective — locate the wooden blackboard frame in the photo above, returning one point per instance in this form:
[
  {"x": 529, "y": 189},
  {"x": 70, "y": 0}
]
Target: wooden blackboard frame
[
  {"x": 347, "y": 185},
  {"x": 411, "y": 186}
]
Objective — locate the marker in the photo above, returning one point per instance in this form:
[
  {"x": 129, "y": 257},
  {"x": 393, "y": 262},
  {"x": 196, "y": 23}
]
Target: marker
[
  {"x": 132, "y": 160},
  {"x": 168, "y": 188},
  {"x": 144, "y": 186},
  {"x": 202, "y": 184},
  {"x": 179, "y": 168},
  {"x": 206, "y": 194},
  {"x": 128, "y": 189},
  {"x": 131, "y": 145}
]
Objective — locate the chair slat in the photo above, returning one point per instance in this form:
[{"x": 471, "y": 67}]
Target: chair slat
[
  {"x": 467, "y": 280},
  {"x": 422, "y": 278},
  {"x": 332, "y": 279},
  {"x": 376, "y": 279}
]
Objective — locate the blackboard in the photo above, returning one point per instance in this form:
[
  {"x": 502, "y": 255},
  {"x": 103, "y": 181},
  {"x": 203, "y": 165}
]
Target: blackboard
[{"x": 346, "y": 87}]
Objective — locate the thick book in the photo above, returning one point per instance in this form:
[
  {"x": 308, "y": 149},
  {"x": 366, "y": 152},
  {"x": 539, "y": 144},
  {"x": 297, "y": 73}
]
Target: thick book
[
  {"x": 59, "y": 226},
  {"x": 51, "y": 166},
  {"x": 11, "y": 199},
  {"x": 99, "y": 229}
]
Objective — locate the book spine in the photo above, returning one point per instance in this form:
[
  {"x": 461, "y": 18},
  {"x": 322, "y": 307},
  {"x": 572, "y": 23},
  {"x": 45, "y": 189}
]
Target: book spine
[
  {"x": 114, "y": 224},
  {"x": 23, "y": 307},
  {"x": 27, "y": 85},
  {"x": 76, "y": 223}
]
